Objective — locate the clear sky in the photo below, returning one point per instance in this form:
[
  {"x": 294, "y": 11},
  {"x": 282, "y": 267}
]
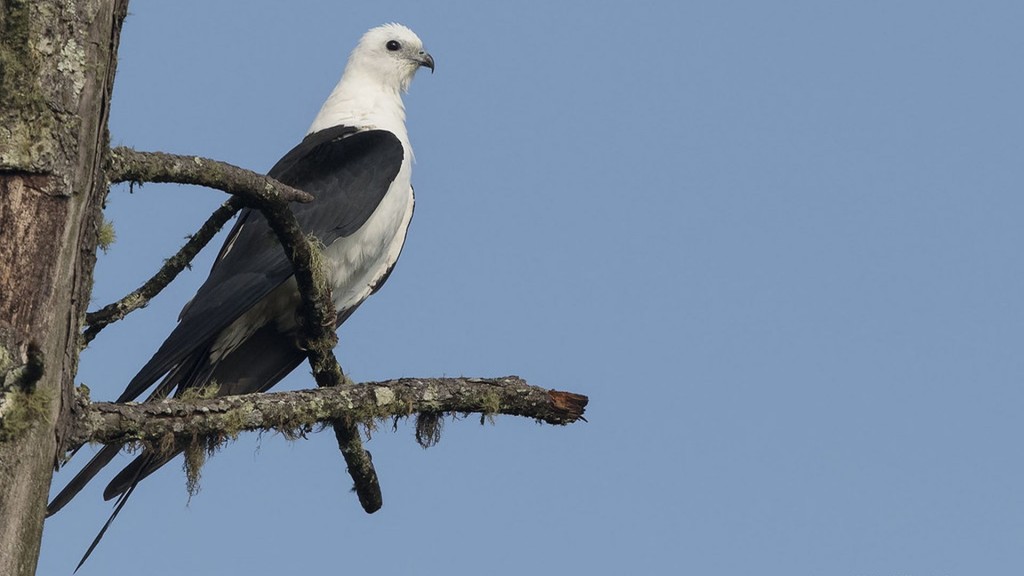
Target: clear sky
[{"x": 778, "y": 244}]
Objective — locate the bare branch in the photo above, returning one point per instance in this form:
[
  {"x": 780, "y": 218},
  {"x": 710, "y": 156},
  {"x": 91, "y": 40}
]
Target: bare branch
[
  {"x": 154, "y": 423},
  {"x": 140, "y": 297},
  {"x": 127, "y": 165}
]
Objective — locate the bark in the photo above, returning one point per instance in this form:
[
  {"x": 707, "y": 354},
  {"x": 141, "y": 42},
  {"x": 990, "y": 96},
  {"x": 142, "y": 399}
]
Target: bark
[{"x": 57, "y": 62}]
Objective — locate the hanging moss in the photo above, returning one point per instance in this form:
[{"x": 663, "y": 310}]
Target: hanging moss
[
  {"x": 107, "y": 235},
  {"x": 196, "y": 453}
]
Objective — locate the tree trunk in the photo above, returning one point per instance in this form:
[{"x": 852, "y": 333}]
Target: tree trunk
[{"x": 57, "y": 61}]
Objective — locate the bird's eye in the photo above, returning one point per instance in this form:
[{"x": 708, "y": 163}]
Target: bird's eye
[{"x": 393, "y": 45}]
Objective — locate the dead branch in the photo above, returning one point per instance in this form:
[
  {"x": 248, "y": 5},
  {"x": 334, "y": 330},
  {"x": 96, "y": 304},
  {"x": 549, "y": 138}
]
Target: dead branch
[
  {"x": 154, "y": 423},
  {"x": 127, "y": 165}
]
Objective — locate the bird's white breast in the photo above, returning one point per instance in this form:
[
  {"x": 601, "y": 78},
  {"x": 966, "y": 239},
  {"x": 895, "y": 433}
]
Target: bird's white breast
[
  {"x": 354, "y": 265},
  {"x": 357, "y": 263}
]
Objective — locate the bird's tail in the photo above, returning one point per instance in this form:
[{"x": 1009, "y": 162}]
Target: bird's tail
[
  {"x": 121, "y": 487},
  {"x": 117, "y": 507},
  {"x": 140, "y": 468},
  {"x": 101, "y": 459}
]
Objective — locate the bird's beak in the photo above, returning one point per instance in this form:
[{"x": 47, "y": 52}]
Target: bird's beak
[{"x": 427, "y": 60}]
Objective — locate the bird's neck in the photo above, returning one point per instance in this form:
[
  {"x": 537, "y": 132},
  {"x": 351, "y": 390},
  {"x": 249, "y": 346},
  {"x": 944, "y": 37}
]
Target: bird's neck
[{"x": 357, "y": 101}]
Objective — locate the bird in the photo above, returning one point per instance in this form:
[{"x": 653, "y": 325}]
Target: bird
[{"x": 241, "y": 329}]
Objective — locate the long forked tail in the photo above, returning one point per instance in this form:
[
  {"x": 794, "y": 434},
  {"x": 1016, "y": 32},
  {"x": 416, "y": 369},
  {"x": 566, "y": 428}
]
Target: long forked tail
[
  {"x": 121, "y": 487},
  {"x": 117, "y": 508}
]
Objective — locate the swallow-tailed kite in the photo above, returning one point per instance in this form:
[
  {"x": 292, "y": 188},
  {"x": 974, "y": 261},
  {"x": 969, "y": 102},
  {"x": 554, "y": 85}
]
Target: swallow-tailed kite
[{"x": 241, "y": 328}]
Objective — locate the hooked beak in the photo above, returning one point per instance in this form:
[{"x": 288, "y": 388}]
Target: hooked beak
[{"x": 426, "y": 60}]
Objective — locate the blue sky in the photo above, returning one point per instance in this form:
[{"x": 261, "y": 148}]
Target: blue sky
[{"x": 777, "y": 244}]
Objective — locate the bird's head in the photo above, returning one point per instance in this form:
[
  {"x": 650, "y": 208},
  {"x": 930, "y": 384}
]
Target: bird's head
[{"x": 389, "y": 54}]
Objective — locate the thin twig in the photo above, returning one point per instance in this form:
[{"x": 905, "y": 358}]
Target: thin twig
[{"x": 141, "y": 296}]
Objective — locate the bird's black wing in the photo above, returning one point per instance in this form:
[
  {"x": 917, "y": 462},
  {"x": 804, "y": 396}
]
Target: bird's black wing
[{"x": 348, "y": 172}]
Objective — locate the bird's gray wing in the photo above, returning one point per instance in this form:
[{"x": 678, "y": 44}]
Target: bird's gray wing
[{"x": 348, "y": 172}]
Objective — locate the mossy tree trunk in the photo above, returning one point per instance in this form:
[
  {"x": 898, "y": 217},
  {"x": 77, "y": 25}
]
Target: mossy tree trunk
[{"x": 57, "y": 61}]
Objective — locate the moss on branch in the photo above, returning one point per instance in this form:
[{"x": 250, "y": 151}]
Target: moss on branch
[{"x": 153, "y": 423}]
